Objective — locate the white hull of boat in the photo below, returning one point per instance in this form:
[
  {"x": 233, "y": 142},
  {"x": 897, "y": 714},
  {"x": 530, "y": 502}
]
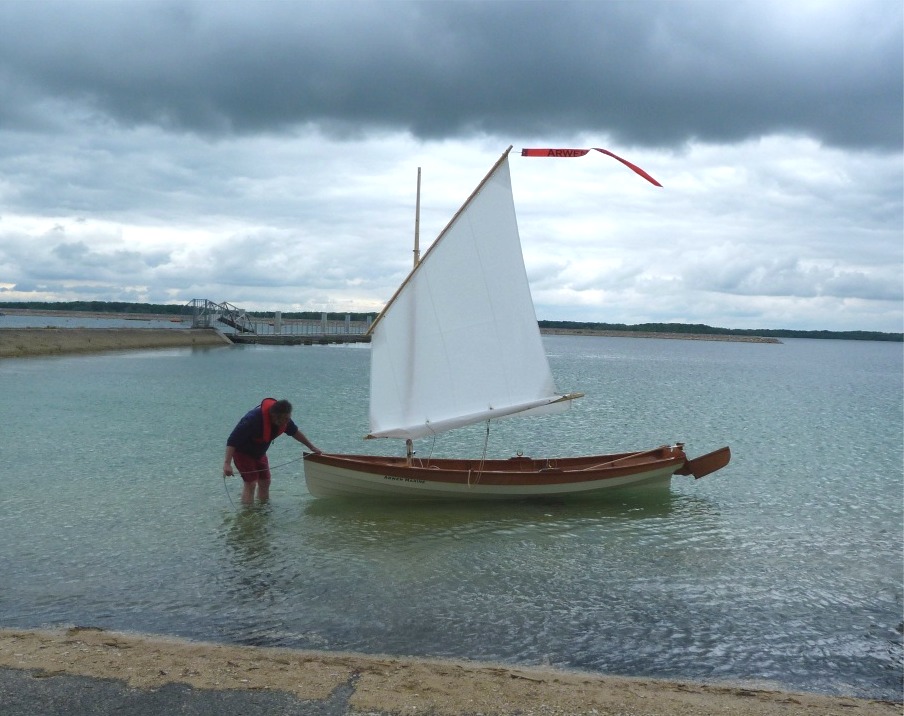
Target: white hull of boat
[
  {"x": 331, "y": 481},
  {"x": 516, "y": 479}
]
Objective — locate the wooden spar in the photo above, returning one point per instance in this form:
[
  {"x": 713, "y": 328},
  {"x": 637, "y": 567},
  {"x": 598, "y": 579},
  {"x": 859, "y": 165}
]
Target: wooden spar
[
  {"x": 409, "y": 443},
  {"x": 417, "y": 221}
]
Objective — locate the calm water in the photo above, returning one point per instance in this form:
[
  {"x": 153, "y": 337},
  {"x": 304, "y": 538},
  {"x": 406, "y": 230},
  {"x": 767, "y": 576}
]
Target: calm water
[{"x": 784, "y": 568}]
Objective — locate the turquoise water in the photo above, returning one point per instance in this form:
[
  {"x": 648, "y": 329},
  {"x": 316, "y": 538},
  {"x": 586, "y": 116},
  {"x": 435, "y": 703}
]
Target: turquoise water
[{"x": 785, "y": 568}]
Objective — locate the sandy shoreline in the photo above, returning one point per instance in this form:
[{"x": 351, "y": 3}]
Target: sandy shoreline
[
  {"x": 388, "y": 684},
  {"x": 27, "y": 342}
]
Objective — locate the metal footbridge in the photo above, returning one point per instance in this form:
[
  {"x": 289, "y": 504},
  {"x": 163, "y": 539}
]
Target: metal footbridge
[{"x": 274, "y": 329}]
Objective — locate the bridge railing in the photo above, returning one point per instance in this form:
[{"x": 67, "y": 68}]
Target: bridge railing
[{"x": 207, "y": 314}]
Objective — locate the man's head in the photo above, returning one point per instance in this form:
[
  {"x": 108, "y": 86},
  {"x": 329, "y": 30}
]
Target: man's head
[{"x": 280, "y": 412}]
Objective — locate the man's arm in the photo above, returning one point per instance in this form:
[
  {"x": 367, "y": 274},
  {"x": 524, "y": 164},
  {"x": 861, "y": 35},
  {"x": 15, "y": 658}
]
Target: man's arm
[
  {"x": 302, "y": 438},
  {"x": 227, "y": 465}
]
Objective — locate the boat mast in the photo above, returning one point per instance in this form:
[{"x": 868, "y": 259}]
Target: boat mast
[
  {"x": 409, "y": 444},
  {"x": 438, "y": 238},
  {"x": 417, "y": 221}
]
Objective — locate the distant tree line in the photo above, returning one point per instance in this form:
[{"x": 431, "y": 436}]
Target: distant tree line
[
  {"x": 695, "y": 328},
  {"x": 97, "y": 306},
  {"x": 701, "y": 329},
  {"x": 162, "y": 309}
]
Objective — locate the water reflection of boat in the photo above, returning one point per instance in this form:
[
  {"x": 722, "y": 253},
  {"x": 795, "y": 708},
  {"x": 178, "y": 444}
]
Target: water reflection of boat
[{"x": 393, "y": 520}]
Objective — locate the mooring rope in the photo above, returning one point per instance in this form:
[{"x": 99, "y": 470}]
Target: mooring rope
[
  {"x": 226, "y": 487},
  {"x": 272, "y": 467}
]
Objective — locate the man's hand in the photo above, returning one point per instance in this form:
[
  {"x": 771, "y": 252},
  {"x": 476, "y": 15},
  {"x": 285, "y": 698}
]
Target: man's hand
[{"x": 227, "y": 470}]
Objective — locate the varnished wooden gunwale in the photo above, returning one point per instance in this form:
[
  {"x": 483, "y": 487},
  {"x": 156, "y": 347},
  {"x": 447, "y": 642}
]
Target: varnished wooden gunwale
[{"x": 516, "y": 471}]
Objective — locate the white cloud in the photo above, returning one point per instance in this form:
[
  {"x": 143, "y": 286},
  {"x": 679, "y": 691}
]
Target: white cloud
[{"x": 239, "y": 164}]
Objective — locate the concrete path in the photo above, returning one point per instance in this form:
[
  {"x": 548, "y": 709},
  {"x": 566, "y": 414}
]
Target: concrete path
[{"x": 27, "y": 693}]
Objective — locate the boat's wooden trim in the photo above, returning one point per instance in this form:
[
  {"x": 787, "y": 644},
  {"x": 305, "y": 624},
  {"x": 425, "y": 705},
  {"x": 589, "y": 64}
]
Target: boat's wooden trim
[
  {"x": 335, "y": 475},
  {"x": 610, "y": 463},
  {"x": 518, "y": 475},
  {"x": 345, "y": 481}
]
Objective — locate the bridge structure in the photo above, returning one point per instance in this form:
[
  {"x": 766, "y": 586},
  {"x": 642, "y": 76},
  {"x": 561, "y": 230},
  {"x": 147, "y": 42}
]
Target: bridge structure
[{"x": 274, "y": 329}]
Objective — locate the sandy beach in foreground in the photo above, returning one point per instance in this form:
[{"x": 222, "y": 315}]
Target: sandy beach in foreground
[
  {"x": 386, "y": 684},
  {"x": 27, "y": 342}
]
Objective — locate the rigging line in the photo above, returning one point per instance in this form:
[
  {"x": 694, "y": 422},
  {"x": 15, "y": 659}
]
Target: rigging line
[{"x": 483, "y": 457}]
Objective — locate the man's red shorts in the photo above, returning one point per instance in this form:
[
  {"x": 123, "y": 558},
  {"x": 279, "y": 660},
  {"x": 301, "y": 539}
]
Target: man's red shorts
[{"x": 252, "y": 468}]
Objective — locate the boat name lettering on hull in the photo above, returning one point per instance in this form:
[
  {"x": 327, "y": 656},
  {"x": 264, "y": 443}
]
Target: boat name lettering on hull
[{"x": 403, "y": 479}]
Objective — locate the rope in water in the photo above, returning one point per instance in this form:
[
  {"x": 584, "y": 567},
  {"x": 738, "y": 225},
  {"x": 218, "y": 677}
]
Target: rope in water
[
  {"x": 226, "y": 487},
  {"x": 273, "y": 467}
]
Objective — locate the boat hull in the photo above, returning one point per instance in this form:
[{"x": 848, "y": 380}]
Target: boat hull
[{"x": 517, "y": 478}]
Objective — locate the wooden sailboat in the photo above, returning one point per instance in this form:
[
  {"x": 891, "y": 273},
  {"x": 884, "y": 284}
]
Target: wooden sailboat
[{"x": 459, "y": 344}]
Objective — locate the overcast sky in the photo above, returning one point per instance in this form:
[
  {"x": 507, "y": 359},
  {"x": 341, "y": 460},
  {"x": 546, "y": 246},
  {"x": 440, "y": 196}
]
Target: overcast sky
[{"x": 266, "y": 153}]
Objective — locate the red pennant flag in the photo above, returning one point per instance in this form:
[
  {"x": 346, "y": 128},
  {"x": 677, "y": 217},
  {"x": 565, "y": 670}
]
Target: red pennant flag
[
  {"x": 581, "y": 153},
  {"x": 553, "y": 152}
]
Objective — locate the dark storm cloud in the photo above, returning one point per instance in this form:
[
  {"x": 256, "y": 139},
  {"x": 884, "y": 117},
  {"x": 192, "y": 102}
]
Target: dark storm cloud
[{"x": 654, "y": 73}]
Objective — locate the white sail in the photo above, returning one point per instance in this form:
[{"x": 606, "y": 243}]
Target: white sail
[{"x": 459, "y": 343}]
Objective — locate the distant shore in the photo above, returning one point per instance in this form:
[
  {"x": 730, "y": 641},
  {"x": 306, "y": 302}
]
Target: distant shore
[
  {"x": 395, "y": 685},
  {"x": 176, "y": 318},
  {"x": 670, "y": 330},
  {"x": 73, "y": 343},
  {"x": 646, "y": 334},
  {"x": 30, "y": 342}
]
